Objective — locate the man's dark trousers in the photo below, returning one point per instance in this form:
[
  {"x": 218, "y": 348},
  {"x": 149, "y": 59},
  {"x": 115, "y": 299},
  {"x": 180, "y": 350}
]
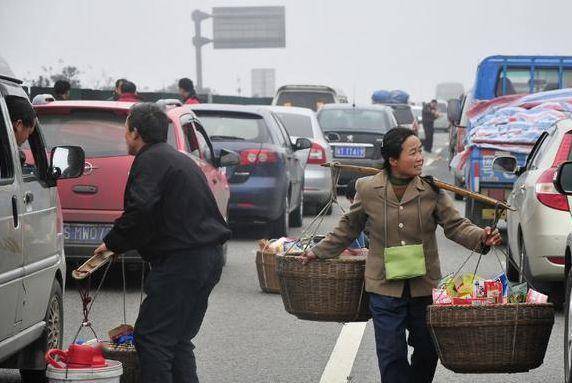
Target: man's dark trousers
[
  {"x": 391, "y": 317},
  {"x": 177, "y": 289},
  {"x": 429, "y": 130}
]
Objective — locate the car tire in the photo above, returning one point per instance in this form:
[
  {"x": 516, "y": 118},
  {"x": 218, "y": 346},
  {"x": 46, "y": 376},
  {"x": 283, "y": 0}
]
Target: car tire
[
  {"x": 279, "y": 227},
  {"x": 512, "y": 272},
  {"x": 567, "y": 332},
  {"x": 297, "y": 215},
  {"x": 53, "y": 333}
]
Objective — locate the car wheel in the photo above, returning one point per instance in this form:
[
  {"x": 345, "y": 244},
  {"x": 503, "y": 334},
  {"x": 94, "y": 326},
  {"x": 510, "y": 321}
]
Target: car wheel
[
  {"x": 511, "y": 271},
  {"x": 279, "y": 228},
  {"x": 297, "y": 216},
  {"x": 53, "y": 333},
  {"x": 568, "y": 332}
]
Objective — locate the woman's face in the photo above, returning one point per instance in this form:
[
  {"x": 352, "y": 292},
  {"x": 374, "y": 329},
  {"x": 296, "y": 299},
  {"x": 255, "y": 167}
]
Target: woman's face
[{"x": 410, "y": 161}]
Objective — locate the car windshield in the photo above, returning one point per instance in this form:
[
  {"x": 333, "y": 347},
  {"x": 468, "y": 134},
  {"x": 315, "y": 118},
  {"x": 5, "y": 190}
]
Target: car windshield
[
  {"x": 100, "y": 134},
  {"x": 297, "y": 125},
  {"x": 403, "y": 115},
  {"x": 311, "y": 100},
  {"x": 234, "y": 126},
  {"x": 354, "y": 119}
]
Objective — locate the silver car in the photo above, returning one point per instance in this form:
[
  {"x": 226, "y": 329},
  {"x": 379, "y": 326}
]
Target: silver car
[
  {"x": 302, "y": 122},
  {"x": 32, "y": 261},
  {"x": 537, "y": 230}
]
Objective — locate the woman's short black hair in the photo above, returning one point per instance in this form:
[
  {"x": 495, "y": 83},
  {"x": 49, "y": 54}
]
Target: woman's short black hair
[
  {"x": 393, "y": 144},
  {"x": 21, "y": 109},
  {"x": 187, "y": 85},
  {"x": 128, "y": 87},
  {"x": 61, "y": 87},
  {"x": 151, "y": 122}
]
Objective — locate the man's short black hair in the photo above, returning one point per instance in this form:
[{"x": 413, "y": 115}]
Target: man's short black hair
[
  {"x": 128, "y": 87},
  {"x": 151, "y": 122},
  {"x": 61, "y": 87},
  {"x": 187, "y": 84},
  {"x": 21, "y": 109},
  {"x": 120, "y": 81}
]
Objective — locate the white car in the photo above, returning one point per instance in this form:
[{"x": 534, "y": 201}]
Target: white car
[
  {"x": 537, "y": 230},
  {"x": 302, "y": 122},
  {"x": 442, "y": 122}
]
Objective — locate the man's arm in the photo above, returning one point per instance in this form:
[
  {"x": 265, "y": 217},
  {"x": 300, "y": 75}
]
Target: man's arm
[{"x": 136, "y": 225}]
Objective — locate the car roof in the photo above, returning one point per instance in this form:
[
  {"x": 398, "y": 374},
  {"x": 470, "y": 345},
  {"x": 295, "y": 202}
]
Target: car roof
[
  {"x": 306, "y": 87},
  {"x": 360, "y": 107},
  {"x": 90, "y": 104},
  {"x": 292, "y": 110},
  {"x": 254, "y": 109}
]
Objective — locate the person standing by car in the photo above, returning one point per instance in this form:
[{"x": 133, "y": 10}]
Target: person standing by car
[
  {"x": 187, "y": 91},
  {"x": 62, "y": 90},
  {"x": 429, "y": 114},
  {"x": 117, "y": 90},
  {"x": 23, "y": 118},
  {"x": 402, "y": 211},
  {"x": 171, "y": 218},
  {"x": 128, "y": 92}
]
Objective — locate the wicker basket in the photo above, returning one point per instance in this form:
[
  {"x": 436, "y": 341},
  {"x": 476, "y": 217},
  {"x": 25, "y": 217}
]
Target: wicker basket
[
  {"x": 128, "y": 358},
  {"x": 266, "y": 267},
  {"x": 491, "y": 339},
  {"x": 328, "y": 290}
]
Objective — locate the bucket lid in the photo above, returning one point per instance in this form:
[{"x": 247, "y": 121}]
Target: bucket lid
[{"x": 112, "y": 370}]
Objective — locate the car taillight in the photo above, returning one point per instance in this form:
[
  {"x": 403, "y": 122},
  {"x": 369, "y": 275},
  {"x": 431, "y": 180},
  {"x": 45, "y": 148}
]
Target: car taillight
[
  {"x": 556, "y": 260},
  {"x": 257, "y": 156},
  {"x": 547, "y": 193},
  {"x": 317, "y": 154}
]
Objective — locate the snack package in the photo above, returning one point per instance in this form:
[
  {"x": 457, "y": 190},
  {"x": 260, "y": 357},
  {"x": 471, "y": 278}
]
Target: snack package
[
  {"x": 448, "y": 285},
  {"x": 479, "y": 291},
  {"x": 461, "y": 301},
  {"x": 481, "y": 301},
  {"x": 441, "y": 297},
  {"x": 464, "y": 284},
  {"x": 493, "y": 290},
  {"x": 517, "y": 292},
  {"x": 502, "y": 278},
  {"x": 535, "y": 297}
]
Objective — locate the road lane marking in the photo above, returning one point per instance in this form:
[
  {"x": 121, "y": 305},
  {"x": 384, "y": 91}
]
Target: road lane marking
[{"x": 340, "y": 364}]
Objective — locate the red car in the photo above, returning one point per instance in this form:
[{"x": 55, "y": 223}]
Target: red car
[{"x": 92, "y": 202}]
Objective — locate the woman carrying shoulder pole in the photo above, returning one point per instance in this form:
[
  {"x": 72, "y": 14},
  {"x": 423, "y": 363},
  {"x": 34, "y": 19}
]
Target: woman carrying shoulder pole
[{"x": 402, "y": 211}]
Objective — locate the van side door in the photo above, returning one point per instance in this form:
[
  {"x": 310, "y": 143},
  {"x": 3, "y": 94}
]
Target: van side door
[{"x": 11, "y": 254}]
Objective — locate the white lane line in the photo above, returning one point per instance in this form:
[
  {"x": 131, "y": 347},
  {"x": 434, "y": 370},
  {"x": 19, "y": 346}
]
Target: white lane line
[{"x": 339, "y": 366}]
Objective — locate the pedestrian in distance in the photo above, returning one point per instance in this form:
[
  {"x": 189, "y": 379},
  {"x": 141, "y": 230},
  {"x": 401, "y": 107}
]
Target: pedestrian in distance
[
  {"x": 62, "y": 90},
  {"x": 429, "y": 114},
  {"x": 117, "y": 89},
  {"x": 128, "y": 92},
  {"x": 402, "y": 211},
  {"x": 187, "y": 91},
  {"x": 171, "y": 218}
]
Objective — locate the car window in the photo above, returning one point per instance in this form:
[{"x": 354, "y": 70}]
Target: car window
[
  {"x": 283, "y": 132},
  {"x": 6, "y": 162},
  {"x": 403, "y": 115},
  {"x": 545, "y": 79},
  {"x": 303, "y": 99},
  {"x": 355, "y": 119},
  {"x": 567, "y": 78},
  {"x": 297, "y": 125},
  {"x": 202, "y": 140},
  {"x": 543, "y": 149},
  {"x": 537, "y": 149},
  {"x": 518, "y": 80},
  {"x": 222, "y": 126}
]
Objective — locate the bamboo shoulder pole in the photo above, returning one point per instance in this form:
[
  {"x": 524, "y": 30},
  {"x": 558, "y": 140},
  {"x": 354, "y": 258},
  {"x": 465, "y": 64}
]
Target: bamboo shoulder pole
[{"x": 364, "y": 170}]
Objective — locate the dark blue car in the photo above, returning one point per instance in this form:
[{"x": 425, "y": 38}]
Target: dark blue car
[{"x": 267, "y": 187}]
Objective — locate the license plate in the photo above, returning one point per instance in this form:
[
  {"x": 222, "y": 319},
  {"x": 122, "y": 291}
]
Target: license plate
[
  {"x": 349, "y": 152},
  {"x": 85, "y": 233}
]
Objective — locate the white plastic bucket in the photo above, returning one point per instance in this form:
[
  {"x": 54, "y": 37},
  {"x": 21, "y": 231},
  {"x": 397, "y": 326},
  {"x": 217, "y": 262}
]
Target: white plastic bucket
[{"x": 110, "y": 374}]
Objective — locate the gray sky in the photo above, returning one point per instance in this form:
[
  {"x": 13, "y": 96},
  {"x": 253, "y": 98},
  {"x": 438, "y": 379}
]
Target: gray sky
[{"x": 362, "y": 45}]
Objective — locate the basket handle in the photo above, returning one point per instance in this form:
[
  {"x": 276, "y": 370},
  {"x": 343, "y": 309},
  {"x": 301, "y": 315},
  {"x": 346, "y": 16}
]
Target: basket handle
[{"x": 50, "y": 357}]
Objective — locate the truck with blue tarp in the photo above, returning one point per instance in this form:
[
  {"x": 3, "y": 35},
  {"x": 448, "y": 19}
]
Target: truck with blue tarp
[{"x": 499, "y": 81}]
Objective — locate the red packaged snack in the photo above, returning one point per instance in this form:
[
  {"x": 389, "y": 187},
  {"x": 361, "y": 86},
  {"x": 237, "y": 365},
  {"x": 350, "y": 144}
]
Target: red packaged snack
[
  {"x": 461, "y": 301},
  {"x": 481, "y": 301},
  {"x": 493, "y": 290},
  {"x": 535, "y": 297}
]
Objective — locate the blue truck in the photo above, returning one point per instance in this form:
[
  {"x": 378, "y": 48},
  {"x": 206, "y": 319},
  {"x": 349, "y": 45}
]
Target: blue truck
[{"x": 500, "y": 76}]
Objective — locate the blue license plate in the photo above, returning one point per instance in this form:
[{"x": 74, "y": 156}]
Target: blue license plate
[
  {"x": 349, "y": 152},
  {"x": 85, "y": 233}
]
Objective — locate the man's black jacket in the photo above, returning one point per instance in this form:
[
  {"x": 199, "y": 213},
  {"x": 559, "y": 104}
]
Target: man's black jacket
[{"x": 168, "y": 207}]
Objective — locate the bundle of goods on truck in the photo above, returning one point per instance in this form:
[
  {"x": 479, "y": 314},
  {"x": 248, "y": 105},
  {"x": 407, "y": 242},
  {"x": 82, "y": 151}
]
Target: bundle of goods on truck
[{"x": 390, "y": 97}]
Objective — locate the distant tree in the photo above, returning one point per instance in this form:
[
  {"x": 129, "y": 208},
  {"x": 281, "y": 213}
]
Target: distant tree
[
  {"x": 69, "y": 73},
  {"x": 172, "y": 88}
]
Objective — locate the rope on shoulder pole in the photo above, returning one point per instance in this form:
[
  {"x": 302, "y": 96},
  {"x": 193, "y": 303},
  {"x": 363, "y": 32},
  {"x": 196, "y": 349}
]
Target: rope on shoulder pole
[{"x": 369, "y": 171}]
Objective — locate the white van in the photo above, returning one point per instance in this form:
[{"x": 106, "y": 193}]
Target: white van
[
  {"x": 32, "y": 262},
  {"x": 308, "y": 96}
]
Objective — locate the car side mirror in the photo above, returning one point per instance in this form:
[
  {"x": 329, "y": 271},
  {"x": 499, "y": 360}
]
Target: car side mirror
[
  {"x": 67, "y": 162},
  {"x": 454, "y": 111},
  {"x": 505, "y": 164},
  {"x": 563, "y": 178},
  {"x": 228, "y": 158},
  {"x": 301, "y": 144}
]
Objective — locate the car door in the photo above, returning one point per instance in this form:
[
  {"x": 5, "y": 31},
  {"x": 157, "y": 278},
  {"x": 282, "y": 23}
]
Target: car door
[
  {"x": 294, "y": 164},
  {"x": 11, "y": 254}
]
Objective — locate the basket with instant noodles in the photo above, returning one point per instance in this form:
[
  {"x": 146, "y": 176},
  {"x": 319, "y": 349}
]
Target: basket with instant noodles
[
  {"x": 121, "y": 348},
  {"x": 489, "y": 326},
  {"x": 324, "y": 290}
]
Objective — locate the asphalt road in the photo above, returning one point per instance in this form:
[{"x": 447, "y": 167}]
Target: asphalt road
[{"x": 248, "y": 337}]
